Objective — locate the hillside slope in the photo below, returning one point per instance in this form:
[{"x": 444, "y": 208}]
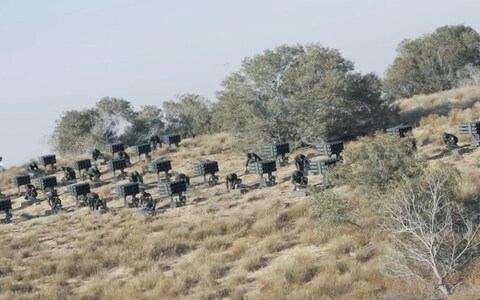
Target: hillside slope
[{"x": 264, "y": 244}]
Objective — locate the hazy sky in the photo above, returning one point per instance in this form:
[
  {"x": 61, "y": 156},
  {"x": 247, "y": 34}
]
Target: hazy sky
[{"x": 60, "y": 55}]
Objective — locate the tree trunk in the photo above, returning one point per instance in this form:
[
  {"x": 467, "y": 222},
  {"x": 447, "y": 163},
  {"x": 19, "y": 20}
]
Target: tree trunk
[
  {"x": 442, "y": 288},
  {"x": 441, "y": 283}
]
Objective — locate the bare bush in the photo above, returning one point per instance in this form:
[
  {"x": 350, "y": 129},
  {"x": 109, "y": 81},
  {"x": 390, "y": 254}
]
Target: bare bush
[
  {"x": 432, "y": 236},
  {"x": 470, "y": 75}
]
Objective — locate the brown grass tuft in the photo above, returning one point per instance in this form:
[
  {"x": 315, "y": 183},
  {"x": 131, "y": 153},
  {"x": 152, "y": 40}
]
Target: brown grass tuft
[{"x": 261, "y": 245}]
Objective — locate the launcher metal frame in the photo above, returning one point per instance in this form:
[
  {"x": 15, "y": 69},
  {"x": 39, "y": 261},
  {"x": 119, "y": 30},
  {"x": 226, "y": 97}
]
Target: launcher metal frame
[
  {"x": 473, "y": 130},
  {"x": 264, "y": 167}
]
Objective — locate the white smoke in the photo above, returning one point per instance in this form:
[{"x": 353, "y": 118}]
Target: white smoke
[{"x": 108, "y": 127}]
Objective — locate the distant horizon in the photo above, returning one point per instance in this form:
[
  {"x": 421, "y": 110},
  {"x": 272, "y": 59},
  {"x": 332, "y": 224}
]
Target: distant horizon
[{"x": 58, "y": 56}]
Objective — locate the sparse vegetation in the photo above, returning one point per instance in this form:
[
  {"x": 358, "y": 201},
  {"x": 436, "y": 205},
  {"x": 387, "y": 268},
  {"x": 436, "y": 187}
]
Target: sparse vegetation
[
  {"x": 393, "y": 211},
  {"x": 435, "y": 237},
  {"x": 261, "y": 244},
  {"x": 185, "y": 253}
]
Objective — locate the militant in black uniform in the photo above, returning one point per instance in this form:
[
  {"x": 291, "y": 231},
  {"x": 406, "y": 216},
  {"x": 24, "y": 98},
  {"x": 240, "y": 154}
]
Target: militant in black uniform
[
  {"x": 96, "y": 154},
  {"x": 154, "y": 141},
  {"x": 124, "y": 155},
  {"x": 450, "y": 140},
  {"x": 31, "y": 192},
  {"x": 33, "y": 167},
  {"x": 298, "y": 178},
  {"x": 301, "y": 162},
  {"x": 147, "y": 201},
  {"x": 94, "y": 174},
  {"x": 136, "y": 177},
  {"x": 94, "y": 201},
  {"x": 135, "y": 201},
  {"x": 251, "y": 158},
  {"x": 54, "y": 200},
  {"x": 69, "y": 174},
  {"x": 232, "y": 181},
  {"x": 183, "y": 177}
]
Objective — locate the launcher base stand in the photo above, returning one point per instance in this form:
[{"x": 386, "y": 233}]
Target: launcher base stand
[
  {"x": 81, "y": 201},
  {"x": 96, "y": 183},
  {"x": 266, "y": 182},
  {"x": 300, "y": 190},
  {"x": 325, "y": 184},
  {"x": 30, "y": 201},
  {"x": 64, "y": 182},
  {"x": 165, "y": 179},
  {"x": 170, "y": 145},
  {"x": 134, "y": 204},
  {"x": 239, "y": 191},
  {"x": 51, "y": 170},
  {"x": 8, "y": 217},
  {"x": 474, "y": 141},
  {"x": 299, "y": 193},
  {"x": 36, "y": 174},
  {"x": 282, "y": 160},
  {"x": 82, "y": 175},
  {"x": 212, "y": 180},
  {"x": 146, "y": 158},
  {"x": 146, "y": 212},
  {"x": 178, "y": 200},
  {"x": 235, "y": 185},
  {"x": 53, "y": 211},
  {"x": 121, "y": 176},
  {"x": 238, "y": 188},
  {"x": 99, "y": 162},
  {"x": 458, "y": 151},
  {"x": 101, "y": 211}
]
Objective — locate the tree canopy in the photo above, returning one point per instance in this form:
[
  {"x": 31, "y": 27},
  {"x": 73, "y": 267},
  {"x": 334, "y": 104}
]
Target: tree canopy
[
  {"x": 112, "y": 119},
  {"x": 72, "y": 132},
  {"x": 148, "y": 121},
  {"x": 116, "y": 106},
  {"x": 433, "y": 62},
  {"x": 115, "y": 119},
  {"x": 188, "y": 114},
  {"x": 294, "y": 93}
]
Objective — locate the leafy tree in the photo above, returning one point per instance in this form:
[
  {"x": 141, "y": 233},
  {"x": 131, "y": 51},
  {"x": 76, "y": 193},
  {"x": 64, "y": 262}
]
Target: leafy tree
[
  {"x": 375, "y": 163},
  {"x": 111, "y": 119},
  {"x": 72, "y": 133},
  {"x": 433, "y": 62},
  {"x": 188, "y": 115},
  {"x": 148, "y": 121},
  {"x": 116, "y": 106},
  {"x": 294, "y": 93}
]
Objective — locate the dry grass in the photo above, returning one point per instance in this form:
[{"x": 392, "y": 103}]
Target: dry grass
[
  {"x": 6, "y": 175},
  {"x": 441, "y": 112},
  {"x": 454, "y": 97},
  {"x": 260, "y": 245}
]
